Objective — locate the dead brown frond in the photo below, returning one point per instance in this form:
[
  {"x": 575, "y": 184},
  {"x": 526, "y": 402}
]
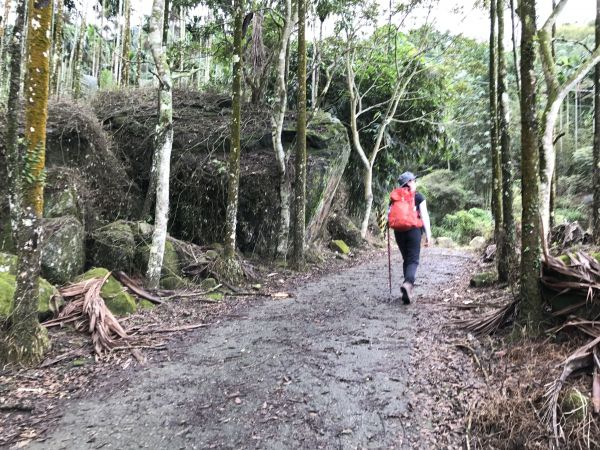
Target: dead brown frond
[
  {"x": 86, "y": 309},
  {"x": 490, "y": 322},
  {"x": 580, "y": 278}
]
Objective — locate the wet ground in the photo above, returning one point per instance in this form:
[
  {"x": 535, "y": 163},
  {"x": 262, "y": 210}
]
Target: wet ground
[{"x": 337, "y": 366}]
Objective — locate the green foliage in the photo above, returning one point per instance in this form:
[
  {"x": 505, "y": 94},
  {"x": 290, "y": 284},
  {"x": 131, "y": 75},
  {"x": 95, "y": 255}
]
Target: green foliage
[
  {"x": 444, "y": 192},
  {"x": 568, "y": 215},
  {"x": 465, "y": 225}
]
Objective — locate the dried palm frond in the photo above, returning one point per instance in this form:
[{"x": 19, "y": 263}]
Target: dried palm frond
[
  {"x": 583, "y": 357},
  {"x": 491, "y": 322},
  {"x": 86, "y": 308}
]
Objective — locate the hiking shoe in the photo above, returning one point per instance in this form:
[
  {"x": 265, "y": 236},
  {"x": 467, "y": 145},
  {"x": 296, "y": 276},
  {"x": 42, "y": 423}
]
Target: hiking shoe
[{"x": 406, "y": 290}]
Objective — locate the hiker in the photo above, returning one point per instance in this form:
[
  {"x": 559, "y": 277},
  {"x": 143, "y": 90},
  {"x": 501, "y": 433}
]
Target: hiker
[{"x": 409, "y": 219}]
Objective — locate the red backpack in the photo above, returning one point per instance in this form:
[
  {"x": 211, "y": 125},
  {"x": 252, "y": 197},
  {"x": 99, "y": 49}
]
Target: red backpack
[{"x": 403, "y": 214}]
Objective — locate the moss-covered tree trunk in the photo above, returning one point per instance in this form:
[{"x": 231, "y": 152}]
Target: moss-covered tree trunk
[
  {"x": 530, "y": 311},
  {"x": 139, "y": 57},
  {"x": 163, "y": 146},
  {"x": 126, "y": 44},
  {"x": 596, "y": 176},
  {"x": 27, "y": 339},
  {"x": 233, "y": 172},
  {"x": 277, "y": 129},
  {"x": 13, "y": 106},
  {"x": 494, "y": 148},
  {"x": 3, "y": 43},
  {"x": 506, "y": 261},
  {"x": 57, "y": 49},
  {"x": 78, "y": 60},
  {"x": 300, "y": 179}
]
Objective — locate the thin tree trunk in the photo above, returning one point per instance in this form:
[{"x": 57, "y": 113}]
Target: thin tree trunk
[
  {"x": 166, "y": 18},
  {"x": 3, "y": 46},
  {"x": 596, "y": 176},
  {"x": 277, "y": 124},
  {"x": 101, "y": 52},
  {"x": 555, "y": 94},
  {"x": 234, "y": 153},
  {"x": 300, "y": 179},
  {"x": 126, "y": 44},
  {"x": 138, "y": 71},
  {"x": 493, "y": 90},
  {"x": 13, "y": 107},
  {"x": 163, "y": 147},
  {"x": 118, "y": 46},
  {"x": 514, "y": 47},
  {"x": 28, "y": 341},
  {"x": 506, "y": 252},
  {"x": 78, "y": 60},
  {"x": 530, "y": 311}
]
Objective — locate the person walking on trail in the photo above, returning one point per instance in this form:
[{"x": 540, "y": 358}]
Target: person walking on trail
[{"x": 409, "y": 219}]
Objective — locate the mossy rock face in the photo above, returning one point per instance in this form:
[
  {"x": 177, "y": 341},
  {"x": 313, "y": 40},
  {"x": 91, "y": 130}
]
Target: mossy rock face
[
  {"x": 484, "y": 279},
  {"x": 171, "y": 265},
  {"x": 8, "y": 263},
  {"x": 115, "y": 297},
  {"x": 62, "y": 202},
  {"x": 340, "y": 246},
  {"x": 342, "y": 227},
  {"x": 63, "y": 251},
  {"x": 146, "y": 304},
  {"x": 173, "y": 282},
  {"x": 46, "y": 307},
  {"x": 113, "y": 247}
]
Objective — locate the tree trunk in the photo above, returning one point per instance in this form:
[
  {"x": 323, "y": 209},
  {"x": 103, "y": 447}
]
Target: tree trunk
[
  {"x": 57, "y": 53},
  {"x": 300, "y": 181},
  {"x": 596, "y": 176},
  {"x": 493, "y": 90},
  {"x": 555, "y": 93},
  {"x": 118, "y": 46},
  {"x": 277, "y": 124},
  {"x": 166, "y": 18},
  {"x": 234, "y": 153},
  {"x": 163, "y": 146},
  {"x": 13, "y": 106},
  {"x": 126, "y": 64},
  {"x": 101, "y": 50},
  {"x": 27, "y": 340},
  {"x": 78, "y": 60},
  {"x": 3, "y": 45},
  {"x": 138, "y": 70},
  {"x": 514, "y": 47},
  {"x": 506, "y": 252},
  {"x": 530, "y": 311}
]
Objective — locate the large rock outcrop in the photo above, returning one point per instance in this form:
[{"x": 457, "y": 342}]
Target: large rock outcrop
[{"x": 199, "y": 164}]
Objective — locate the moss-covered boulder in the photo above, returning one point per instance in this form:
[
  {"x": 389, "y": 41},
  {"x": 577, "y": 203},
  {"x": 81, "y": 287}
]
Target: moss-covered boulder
[
  {"x": 340, "y": 246},
  {"x": 484, "y": 279},
  {"x": 46, "y": 306},
  {"x": 341, "y": 227},
  {"x": 113, "y": 293},
  {"x": 445, "y": 242},
  {"x": 61, "y": 197},
  {"x": 63, "y": 251},
  {"x": 113, "y": 246}
]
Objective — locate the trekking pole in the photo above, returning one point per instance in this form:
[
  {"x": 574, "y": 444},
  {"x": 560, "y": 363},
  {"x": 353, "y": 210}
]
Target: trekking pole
[{"x": 389, "y": 261}]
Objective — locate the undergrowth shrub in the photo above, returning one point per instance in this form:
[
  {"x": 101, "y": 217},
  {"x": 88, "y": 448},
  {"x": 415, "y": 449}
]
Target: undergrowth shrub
[
  {"x": 465, "y": 225},
  {"x": 444, "y": 193}
]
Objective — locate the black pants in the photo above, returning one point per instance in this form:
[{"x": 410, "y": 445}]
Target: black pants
[{"x": 409, "y": 243}]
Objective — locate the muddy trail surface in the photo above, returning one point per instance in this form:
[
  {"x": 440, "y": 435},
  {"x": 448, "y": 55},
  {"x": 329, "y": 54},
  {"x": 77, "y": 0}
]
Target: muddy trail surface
[{"x": 337, "y": 365}]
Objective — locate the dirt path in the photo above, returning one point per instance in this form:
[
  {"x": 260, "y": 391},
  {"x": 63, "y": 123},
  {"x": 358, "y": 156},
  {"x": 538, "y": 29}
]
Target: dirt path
[{"x": 333, "y": 367}]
